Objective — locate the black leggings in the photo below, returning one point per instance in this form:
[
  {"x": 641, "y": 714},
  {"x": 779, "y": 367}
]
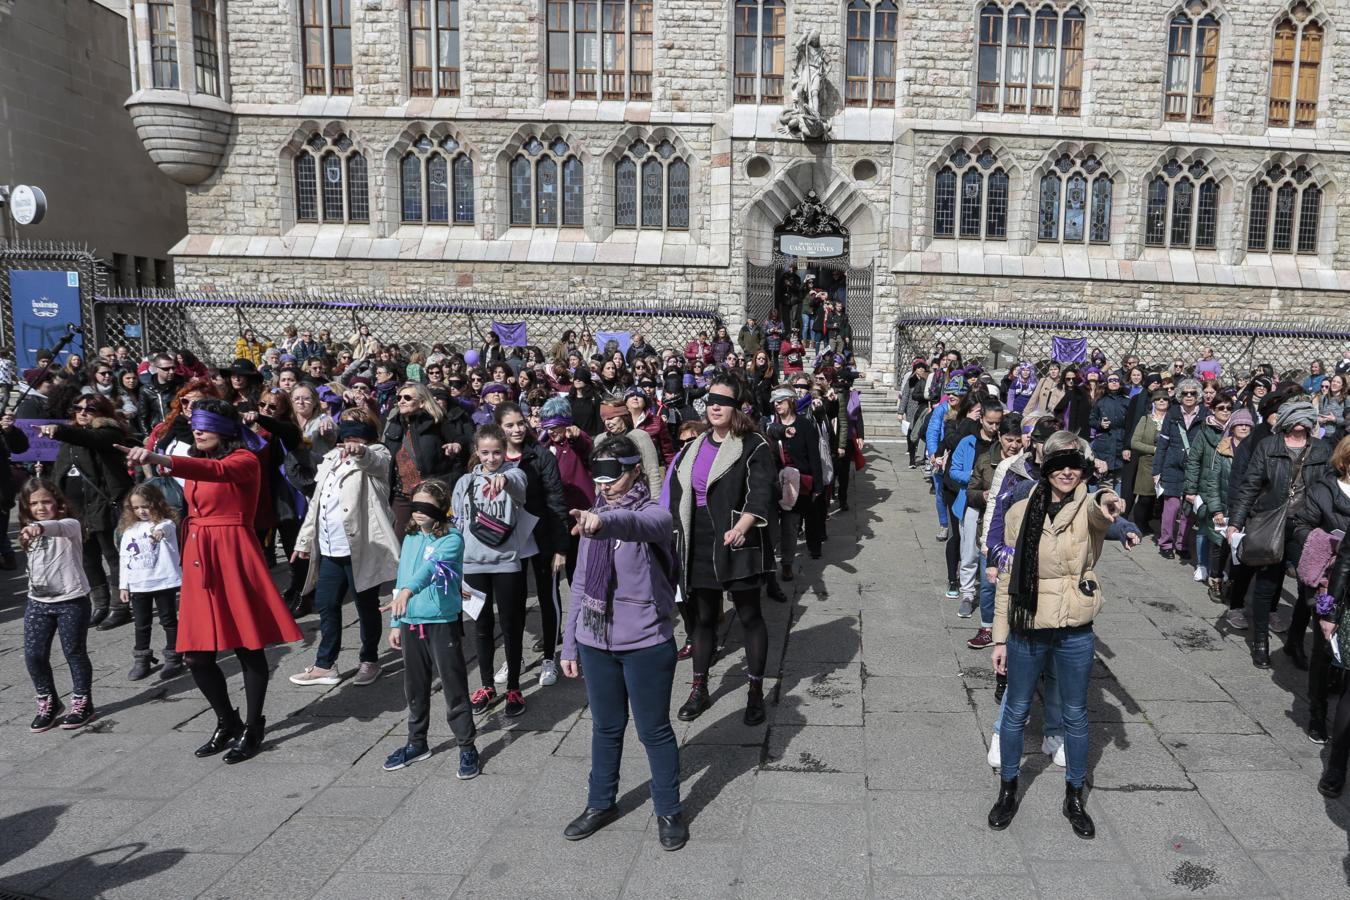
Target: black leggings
[
  {"x": 507, "y": 591},
  {"x": 709, "y": 613},
  {"x": 953, "y": 548},
  {"x": 210, "y": 681},
  {"x": 549, "y": 600},
  {"x": 288, "y": 531},
  {"x": 100, "y": 547}
]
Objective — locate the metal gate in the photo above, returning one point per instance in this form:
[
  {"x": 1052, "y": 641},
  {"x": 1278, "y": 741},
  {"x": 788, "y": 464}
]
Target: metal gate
[{"x": 761, "y": 284}]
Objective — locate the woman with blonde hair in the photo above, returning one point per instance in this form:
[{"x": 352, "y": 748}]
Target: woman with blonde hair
[{"x": 424, "y": 441}]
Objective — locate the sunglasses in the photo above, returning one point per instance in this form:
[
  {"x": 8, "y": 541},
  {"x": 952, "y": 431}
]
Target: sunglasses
[
  {"x": 1190, "y": 393},
  {"x": 83, "y": 409},
  {"x": 268, "y": 407},
  {"x": 165, "y": 368},
  {"x": 407, "y": 398},
  {"x": 1222, "y": 407}
]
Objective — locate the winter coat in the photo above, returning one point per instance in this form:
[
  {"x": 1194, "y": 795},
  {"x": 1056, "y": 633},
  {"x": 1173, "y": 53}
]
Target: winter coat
[
  {"x": 698, "y": 351},
  {"x": 750, "y": 339},
  {"x": 1073, "y": 411},
  {"x": 656, "y": 429},
  {"x": 644, "y": 597},
  {"x": 1212, "y": 484},
  {"x": 1070, "y": 546},
  {"x": 103, "y": 479},
  {"x": 155, "y": 402},
  {"x": 1325, "y": 506},
  {"x": 420, "y": 560},
  {"x": 573, "y": 456},
  {"x": 801, "y": 451},
  {"x": 1045, "y": 398},
  {"x": 1265, "y": 486},
  {"x": 1201, "y": 454},
  {"x": 720, "y": 349},
  {"x": 1174, "y": 445},
  {"x": 585, "y": 413},
  {"x": 427, "y": 437},
  {"x": 250, "y": 350},
  {"x": 363, "y": 492},
  {"x": 741, "y": 480},
  {"x": 962, "y": 466},
  {"x": 544, "y": 499},
  {"x": 1143, "y": 446},
  {"x": 1109, "y": 443}
]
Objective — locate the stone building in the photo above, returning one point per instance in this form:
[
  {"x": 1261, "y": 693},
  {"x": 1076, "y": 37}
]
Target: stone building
[
  {"x": 63, "y": 67},
  {"x": 1067, "y": 156}
]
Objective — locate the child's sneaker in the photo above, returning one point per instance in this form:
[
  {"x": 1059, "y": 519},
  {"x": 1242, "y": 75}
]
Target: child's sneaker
[
  {"x": 548, "y": 672},
  {"x": 405, "y": 756},
  {"x": 515, "y": 703},
  {"x": 469, "y": 765},
  {"x": 501, "y": 674},
  {"x": 81, "y": 713},
  {"x": 49, "y": 710},
  {"x": 482, "y": 699}
]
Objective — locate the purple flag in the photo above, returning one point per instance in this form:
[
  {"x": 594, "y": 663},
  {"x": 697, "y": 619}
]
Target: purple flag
[
  {"x": 1067, "y": 350},
  {"x": 622, "y": 338},
  {"x": 511, "y": 334}
]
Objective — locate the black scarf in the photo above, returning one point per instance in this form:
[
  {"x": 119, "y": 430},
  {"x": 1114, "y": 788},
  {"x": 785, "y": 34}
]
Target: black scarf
[{"x": 1026, "y": 569}]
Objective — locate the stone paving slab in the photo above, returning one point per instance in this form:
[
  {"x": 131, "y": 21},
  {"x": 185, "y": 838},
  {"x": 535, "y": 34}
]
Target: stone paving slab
[{"x": 868, "y": 780}]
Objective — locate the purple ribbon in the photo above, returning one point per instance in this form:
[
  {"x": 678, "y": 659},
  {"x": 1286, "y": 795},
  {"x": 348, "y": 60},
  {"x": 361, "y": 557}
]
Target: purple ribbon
[{"x": 203, "y": 420}]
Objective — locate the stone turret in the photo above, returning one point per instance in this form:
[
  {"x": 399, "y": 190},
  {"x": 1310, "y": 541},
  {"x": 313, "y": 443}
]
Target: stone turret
[{"x": 180, "y": 101}]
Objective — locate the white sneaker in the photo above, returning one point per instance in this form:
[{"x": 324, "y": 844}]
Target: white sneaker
[
  {"x": 548, "y": 673},
  {"x": 315, "y": 675},
  {"x": 501, "y": 676},
  {"x": 1202, "y": 574},
  {"x": 995, "y": 757},
  {"x": 1054, "y": 748}
]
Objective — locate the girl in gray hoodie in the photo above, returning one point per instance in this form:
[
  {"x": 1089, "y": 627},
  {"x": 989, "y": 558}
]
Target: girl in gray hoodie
[{"x": 489, "y": 511}]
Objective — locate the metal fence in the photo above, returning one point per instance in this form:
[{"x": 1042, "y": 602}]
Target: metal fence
[
  {"x": 998, "y": 342},
  {"x": 209, "y": 323},
  {"x": 49, "y": 257}
]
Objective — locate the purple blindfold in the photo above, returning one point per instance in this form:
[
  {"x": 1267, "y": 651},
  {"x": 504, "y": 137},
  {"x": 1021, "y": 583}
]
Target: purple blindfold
[{"x": 224, "y": 426}]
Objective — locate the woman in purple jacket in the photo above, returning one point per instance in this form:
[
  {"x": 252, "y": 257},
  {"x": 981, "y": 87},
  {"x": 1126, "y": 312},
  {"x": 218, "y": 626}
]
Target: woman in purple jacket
[{"x": 620, "y": 628}]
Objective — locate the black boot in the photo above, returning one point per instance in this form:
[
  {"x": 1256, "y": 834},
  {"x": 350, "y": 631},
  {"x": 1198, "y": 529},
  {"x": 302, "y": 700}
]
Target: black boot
[
  {"x": 119, "y": 615},
  {"x": 1261, "y": 652},
  {"x": 1005, "y": 807},
  {"x": 672, "y": 831},
  {"x": 698, "y": 701},
  {"x": 306, "y": 605},
  {"x": 227, "y": 730},
  {"x": 1332, "y": 782},
  {"x": 775, "y": 591},
  {"x": 142, "y": 664},
  {"x": 99, "y": 597},
  {"x": 1077, "y": 815},
  {"x": 754, "y": 703},
  {"x": 247, "y": 744},
  {"x": 1294, "y": 650},
  {"x": 173, "y": 660},
  {"x": 589, "y": 822},
  {"x": 292, "y": 600}
]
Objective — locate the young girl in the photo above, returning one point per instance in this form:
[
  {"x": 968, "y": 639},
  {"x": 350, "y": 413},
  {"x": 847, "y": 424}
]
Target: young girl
[
  {"x": 489, "y": 510},
  {"x": 58, "y": 602},
  {"x": 152, "y": 572},
  {"x": 425, "y": 624}
]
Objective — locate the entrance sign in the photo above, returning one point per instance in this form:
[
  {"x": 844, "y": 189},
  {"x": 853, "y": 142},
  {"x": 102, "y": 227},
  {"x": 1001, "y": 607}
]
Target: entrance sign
[{"x": 815, "y": 247}]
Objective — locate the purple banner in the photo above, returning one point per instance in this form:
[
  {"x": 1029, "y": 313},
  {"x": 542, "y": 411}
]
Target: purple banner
[
  {"x": 511, "y": 334},
  {"x": 623, "y": 338},
  {"x": 1069, "y": 350},
  {"x": 40, "y": 449}
]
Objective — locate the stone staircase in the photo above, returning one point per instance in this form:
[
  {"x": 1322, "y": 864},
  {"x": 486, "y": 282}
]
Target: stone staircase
[{"x": 878, "y": 409}]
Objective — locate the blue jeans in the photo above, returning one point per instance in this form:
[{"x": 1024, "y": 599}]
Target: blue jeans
[
  {"x": 941, "y": 506},
  {"x": 806, "y": 326},
  {"x": 614, "y": 681},
  {"x": 1052, "y": 721},
  {"x": 988, "y": 590},
  {"x": 335, "y": 577},
  {"x": 44, "y": 621},
  {"x": 1072, "y": 651}
]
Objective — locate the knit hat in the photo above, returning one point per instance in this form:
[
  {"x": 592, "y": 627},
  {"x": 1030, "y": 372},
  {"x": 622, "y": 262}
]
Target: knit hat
[
  {"x": 956, "y": 387},
  {"x": 1240, "y": 416},
  {"x": 612, "y": 410},
  {"x": 782, "y": 393}
]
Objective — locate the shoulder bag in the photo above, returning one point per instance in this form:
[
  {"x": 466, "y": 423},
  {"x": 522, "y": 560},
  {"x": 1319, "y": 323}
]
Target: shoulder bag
[
  {"x": 1263, "y": 538},
  {"x": 488, "y": 529}
]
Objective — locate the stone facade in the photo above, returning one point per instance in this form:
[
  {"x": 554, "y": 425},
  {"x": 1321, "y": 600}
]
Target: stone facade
[{"x": 876, "y": 173}]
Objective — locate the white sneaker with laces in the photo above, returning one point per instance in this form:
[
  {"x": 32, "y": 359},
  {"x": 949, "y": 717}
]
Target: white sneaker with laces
[
  {"x": 995, "y": 758},
  {"x": 548, "y": 673},
  {"x": 1054, "y": 748},
  {"x": 1202, "y": 574},
  {"x": 500, "y": 677},
  {"x": 315, "y": 675}
]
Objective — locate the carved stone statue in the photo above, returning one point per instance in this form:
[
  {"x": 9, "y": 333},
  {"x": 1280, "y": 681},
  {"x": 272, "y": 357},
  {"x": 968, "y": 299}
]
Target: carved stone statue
[{"x": 802, "y": 117}]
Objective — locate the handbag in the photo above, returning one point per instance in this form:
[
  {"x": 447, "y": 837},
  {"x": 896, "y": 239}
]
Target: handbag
[
  {"x": 1263, "y": 538},
  {"x": 804, "y": 481},
  {"x": 172, "y": 491},
  {"x": 487, "y": 528}
]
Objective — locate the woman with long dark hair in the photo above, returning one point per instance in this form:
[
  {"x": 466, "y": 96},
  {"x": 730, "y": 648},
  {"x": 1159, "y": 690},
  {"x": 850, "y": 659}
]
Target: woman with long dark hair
[
  {"x": 721, "y": 494},
  {"x": 92, "y": 475},
  {"x": 228, "y": 601}
]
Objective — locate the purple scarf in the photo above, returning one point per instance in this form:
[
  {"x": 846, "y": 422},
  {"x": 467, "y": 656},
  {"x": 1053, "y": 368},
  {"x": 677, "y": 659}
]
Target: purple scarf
[{"x": 597, "y": 599}]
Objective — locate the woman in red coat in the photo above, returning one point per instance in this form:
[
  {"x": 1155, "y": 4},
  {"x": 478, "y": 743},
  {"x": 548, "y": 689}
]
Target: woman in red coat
[{"x": 228, "y": 599}]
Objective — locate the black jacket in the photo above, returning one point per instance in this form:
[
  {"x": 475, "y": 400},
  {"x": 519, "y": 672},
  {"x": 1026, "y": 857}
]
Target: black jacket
[
  {"x": 103, "y": 479},
  {"x": 544, "y": 499},
  {"x": 742, "y": 480},
  {"x": 1265, "y": 484},
  {"x": 156, "y": 401},
  {"x": 1325, "y": 506},
  {"x": 585, "y": 412},
  {"x": 1339, "y": 578},
  {"x": 15, "y": 441},
  {"x": 428, "y": 436},
  {"x": 802, "y": 450}
]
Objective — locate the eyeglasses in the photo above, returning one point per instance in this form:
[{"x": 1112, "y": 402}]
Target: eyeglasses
[
  {"x": 1190, "y": 393},
  {"x": 1222, "y": 407},
  {"x": 407, "y": 398},
  {"x": 268, "y": 407}
]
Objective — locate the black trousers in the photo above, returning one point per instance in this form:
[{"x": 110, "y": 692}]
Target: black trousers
[
  {"x": 143, "y": 609},
  {"x": 507, "y": 591},
  {"x": 100, "y": 547},
  {"x": 550, "y": 603},
  {"x": 843, "y": 467},
  {"x": 436, "y": 648}
]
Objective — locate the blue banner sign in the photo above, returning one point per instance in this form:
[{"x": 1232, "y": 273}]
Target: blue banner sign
[{"x": 45, "y": 304}]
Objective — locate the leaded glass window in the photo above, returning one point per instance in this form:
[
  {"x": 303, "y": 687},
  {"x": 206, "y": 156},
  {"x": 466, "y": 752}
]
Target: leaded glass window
[
  {"x": 1297, "y": 199},
  {"x": 663, "y": 197},
  {"x": 428, "y": 191},
  {"x": 981, "y": 209},
  {"x": 547, "y": 185},
  {"x": 1182, "y": 207}
]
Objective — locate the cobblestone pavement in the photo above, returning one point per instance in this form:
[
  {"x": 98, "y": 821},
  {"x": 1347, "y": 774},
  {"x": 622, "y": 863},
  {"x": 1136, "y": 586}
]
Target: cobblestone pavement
[{"x": 868, "y": 780}]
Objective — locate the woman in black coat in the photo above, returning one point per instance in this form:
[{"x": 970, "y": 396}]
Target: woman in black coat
[
  {"x": 92, "y": 473},
  {"x": 1290, "y": 457},
  {"x": 424, "y": 441},
  {"x": 721, "y": 495},
  {"x": 543, "y": 500},
  {"x": 1074, "y": 408},
  {"x": 796, "y": 443},
  {"x": 1333, "y": 776}
]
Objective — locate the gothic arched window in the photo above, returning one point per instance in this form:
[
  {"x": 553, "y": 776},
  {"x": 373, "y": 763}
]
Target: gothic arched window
[
  {"x": 1075, "y": 202},
  {"x": 1286, "y": 212},
  {"x": 1182, "y": 207},
  {"x": 970, "y": 197},
  {"x": 547, "y": 186},
  {"x": 331, "y": 181},
  {"x": 648, "y": 180}
]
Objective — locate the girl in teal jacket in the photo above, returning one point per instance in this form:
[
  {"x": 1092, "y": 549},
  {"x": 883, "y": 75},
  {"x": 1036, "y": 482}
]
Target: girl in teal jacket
[{"x": 425, "y": 624}]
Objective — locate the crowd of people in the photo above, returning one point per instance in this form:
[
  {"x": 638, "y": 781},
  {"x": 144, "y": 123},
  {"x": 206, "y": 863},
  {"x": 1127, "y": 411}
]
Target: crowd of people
[
  {"x": 428, "y": 482},
  {"x": 1243, "y": 477}
]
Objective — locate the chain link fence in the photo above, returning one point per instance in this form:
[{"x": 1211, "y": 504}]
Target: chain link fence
[
  {"x": 998, "y": 342},
  {"x": 209, "y": 323}
]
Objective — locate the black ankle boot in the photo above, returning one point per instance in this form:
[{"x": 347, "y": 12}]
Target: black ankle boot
[
  {"x": 1332, "y": 782},
  {"x": 247, "y": 744},
  {"x": 698, "y": 701},
  {"x": 117, "y": 617},
  {"x": 291, "y": 598},
  {"x": 1077, "y": 815},
  {"x": 100, "y": 598},
  {"x": 227, "y": 730},
  {"x": 1005, "y": 807},
  {"x": 1261, "y": 653},
  {"x": 143, "y": 662},
  {"x": 1294, "y": 650},
  {"x": 754, "y": 703}
]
